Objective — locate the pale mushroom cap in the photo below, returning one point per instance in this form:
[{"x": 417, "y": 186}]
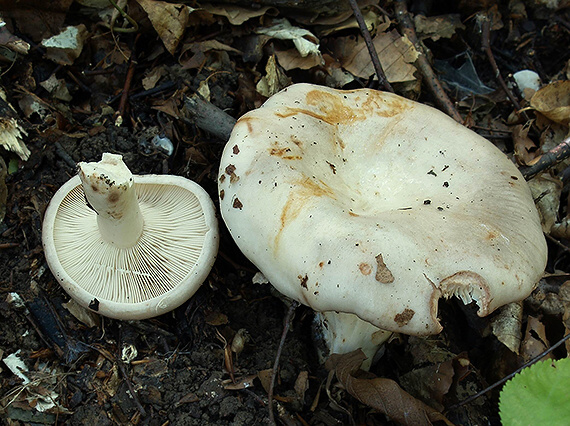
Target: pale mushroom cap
[
  {"x": 365, "y": 202},
  {"x": 170, "y": 261}
]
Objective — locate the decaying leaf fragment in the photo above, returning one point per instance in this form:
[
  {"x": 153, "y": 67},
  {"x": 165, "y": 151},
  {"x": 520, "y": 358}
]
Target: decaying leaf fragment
[
  {"x": 436, "y": 27},
  {"x": 305, "y": 41},
  {"x": 506, "y": 326},
  {"x": 396, "y": 54},
  {"x": 169, "y": 21},
  {"x": 11, "y": 133},
  {"x": 65, "y": 47},
  {"x": 382, "y": 394},
  {"x": 274, "y": 79},
  {"x": 553, "y": 101}
]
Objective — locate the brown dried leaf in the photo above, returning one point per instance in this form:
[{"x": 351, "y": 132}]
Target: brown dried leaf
[
  {"x": 382, "y": 394},
  {"x": 430, "y": 383},
  {"x": 169, "y": 21},
  {"x": 265, "y": 378},
  {"x": 301, "y": 385},
  {"x": 525, "y": 148},
  {"x": 506, "y": 326},
  {"x": 553, "y": 101},
  {"x": 237, "y": 15},
  {"x": 436, "y": 27},
  {"x": 535, "y": 341},
  {"x": 396, "y": 56}
]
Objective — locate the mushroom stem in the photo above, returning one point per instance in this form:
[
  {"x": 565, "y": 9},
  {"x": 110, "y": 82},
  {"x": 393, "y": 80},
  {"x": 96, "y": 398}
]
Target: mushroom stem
[
  {"x": 110, "y": 191},
  {"x": 343, "y": 333}
]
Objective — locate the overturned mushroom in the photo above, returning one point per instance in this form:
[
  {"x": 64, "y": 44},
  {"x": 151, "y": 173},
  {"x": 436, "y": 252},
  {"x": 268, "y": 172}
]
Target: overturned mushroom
[
  {"x": 369, "y": 207},
  {"x": 141, "y": 245}
]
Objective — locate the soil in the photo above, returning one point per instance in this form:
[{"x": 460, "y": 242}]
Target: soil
[{"x": 176, "y": 369}]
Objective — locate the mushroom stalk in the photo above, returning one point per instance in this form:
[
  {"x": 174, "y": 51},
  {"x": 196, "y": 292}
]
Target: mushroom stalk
[
  {"x": 110, "y": 191},
  {"x": 343, "y": 333}
]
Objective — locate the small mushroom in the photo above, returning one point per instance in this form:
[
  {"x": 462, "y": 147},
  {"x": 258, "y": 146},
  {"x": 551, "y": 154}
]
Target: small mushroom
[
  {"x": 141, "y": 245},
  {"x": 369, "y": 208}
]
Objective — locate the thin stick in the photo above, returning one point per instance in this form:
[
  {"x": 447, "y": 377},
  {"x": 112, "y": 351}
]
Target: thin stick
[
  {"x": 548, "y": 159},
  {"x": 371, "y": 49},
  {"x": 128, "y": 81},
  {"x": 510, "y": 376},
  {"x": 433, "y": 84},
  {"x": 286, "y": 327},
  {"x": 485, "y": 23}
]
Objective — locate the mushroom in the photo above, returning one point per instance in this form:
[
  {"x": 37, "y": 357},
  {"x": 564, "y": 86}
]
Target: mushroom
[
  {"x": 141, "y": 245},
  {"x": 369, "y": 207}
]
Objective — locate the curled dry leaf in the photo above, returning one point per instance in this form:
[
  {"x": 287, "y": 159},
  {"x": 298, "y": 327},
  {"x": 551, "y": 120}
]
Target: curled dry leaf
[
  {"x": 169, "y": 21},
  {"x": 382, "y": 394},
  {"x": 525, "y": 148},
  {"x": 535, "y": 340},
  {"x": 553, "y": 101},
  {"x": 506, "y": 326}
]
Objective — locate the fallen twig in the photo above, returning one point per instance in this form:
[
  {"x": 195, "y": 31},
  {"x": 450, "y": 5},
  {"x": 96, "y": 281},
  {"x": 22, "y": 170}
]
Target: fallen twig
[
  {"x": 407, "y": 29},
  {"x": 209, "y": 117},
  {"x": 548, "y": 159},
  {"x": 286, "y": 326},
  {"x": 127, "y": 86},
  {"x": 382, "y": 80},
  {"x": 485, "y": 23}
]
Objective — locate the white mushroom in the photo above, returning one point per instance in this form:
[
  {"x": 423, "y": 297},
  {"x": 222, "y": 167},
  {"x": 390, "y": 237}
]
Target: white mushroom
[
  {"x": 142, "y": 245},
  {"x": 370, "y": 205}
]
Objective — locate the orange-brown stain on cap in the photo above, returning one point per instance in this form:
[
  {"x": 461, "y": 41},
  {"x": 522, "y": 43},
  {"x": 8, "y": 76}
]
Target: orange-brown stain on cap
[
  {"x": 305, "y": 189},
  {"x": 404, "y": 317}
]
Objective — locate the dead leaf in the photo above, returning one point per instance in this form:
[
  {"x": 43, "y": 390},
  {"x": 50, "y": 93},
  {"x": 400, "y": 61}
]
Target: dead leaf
[
  {"x": 430, "y": 383},
  {"x": 235, "y": 14},
  {"x": 382, "y": 394},
  {"x": 274, "y": 79},
  {"x": 436, "y": 27},
  {"x": 152, "y": 77},
  {"x": 265, "y": 378},
  {"x": 12, "y": 42},
  {"x": 535, "y": 341},
  {"x": 553, "y": 101},
  {"x": 506, "y": 326},
  {"x": 11, "y": 132},
  {"x": 305, "y": 41},
  {"x": 169, "y": 21},
  {"x": 525, "y": 148},
  {"x": 66, "y": 47},
  {"x": 199, "y": 50},
  {"x": 291, "y": 59},
  {"x": 396, "y": 55},
  {"x": 374, "y": 22},
  {"x": 302, "y": 385}
]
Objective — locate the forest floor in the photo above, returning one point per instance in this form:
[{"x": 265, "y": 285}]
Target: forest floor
[{"x": 117, "y": 82}]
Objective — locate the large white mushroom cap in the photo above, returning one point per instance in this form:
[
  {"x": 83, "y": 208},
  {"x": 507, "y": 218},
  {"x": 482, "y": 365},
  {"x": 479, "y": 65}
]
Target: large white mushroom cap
[
  {"x": 367, "y": 203},
  {"x": 143, "y": 245}
]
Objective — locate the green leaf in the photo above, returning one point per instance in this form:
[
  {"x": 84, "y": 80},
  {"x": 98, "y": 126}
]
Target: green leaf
[{"x": 538, "y": 395}]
